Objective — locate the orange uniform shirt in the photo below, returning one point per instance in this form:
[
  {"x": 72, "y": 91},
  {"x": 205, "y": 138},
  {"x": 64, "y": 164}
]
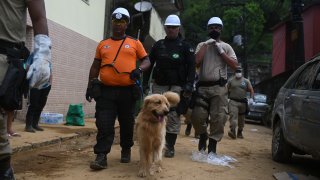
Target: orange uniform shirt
[{"x": 131, "y": 50}]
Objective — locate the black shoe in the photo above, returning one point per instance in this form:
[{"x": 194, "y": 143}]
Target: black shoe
[
  {"x": 99, "y": 163},
  {"x": 188, "y": 129},
  {"x": 169, "y": 153},
  {"x": 38, "y": 128},
  {"x": 203, "y": 142},
  {"x": 6, "y": 171},
  {"x": 239, "y": 134},
  {"x": 125, "y": 155},
  {"x": 29, "y": 129},
  {"x": 232, "y": 133},
  {"x": 212, "y": 147}
]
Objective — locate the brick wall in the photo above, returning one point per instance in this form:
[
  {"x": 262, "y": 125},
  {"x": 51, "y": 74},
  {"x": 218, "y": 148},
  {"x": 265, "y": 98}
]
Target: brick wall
[{"x": 72, "y": 56}]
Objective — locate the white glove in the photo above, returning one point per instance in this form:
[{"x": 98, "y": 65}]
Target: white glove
[
  {"x": 40, "y": 69},
  {"x": 219, "y": 48},
  {"x": 250, "y": 101},
  {"x": 210, "y": 42}
]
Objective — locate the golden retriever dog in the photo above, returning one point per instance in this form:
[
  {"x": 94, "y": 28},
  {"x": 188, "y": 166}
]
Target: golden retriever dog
[{"x": 151, "y": 130}]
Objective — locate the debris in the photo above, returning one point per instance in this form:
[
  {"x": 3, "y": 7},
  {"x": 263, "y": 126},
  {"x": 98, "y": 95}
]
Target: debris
[{"x": 212, "y": 158}]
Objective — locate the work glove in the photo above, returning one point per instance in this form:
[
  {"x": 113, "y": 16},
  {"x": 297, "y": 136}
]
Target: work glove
[
  {"x": 250, "y": 101},
  {"x": 219, "y": 48},
  {"x": 89, "y": 94},
  {"x": 135, "y": 74},
  {"x": 40, "y": 69},
  {"x": 210, "y": 42}
]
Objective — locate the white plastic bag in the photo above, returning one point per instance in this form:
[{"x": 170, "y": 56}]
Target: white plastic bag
[{"x": 212, "y": 158}]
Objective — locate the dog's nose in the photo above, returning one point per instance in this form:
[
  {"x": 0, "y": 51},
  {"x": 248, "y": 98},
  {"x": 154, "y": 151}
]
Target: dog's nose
[{"x": 166, "y": 112}]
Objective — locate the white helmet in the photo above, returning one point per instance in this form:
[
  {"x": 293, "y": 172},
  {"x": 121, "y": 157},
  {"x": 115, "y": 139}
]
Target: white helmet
[
  {"x": 120, "y": 12},
  {"x": 215, "y": 20},
  {"x": 172, "y": 20}
]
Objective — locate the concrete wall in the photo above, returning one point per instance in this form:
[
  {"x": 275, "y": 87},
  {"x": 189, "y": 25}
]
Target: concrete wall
[
  {"x": 87, "y": 20},
  {"x": 75, "y": 32}
]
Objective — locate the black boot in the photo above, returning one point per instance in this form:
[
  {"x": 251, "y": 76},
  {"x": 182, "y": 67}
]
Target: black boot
[
  {"x": 239, "y": 134},
  {"x": 203, "y": 142},
  {"x": 99, "y": 163},
  {"x": 35, "y": 124},
  {"x": 212, "y": 147},
  {"x": 188, "y": 129},
  {"x": 6, "y": 171},
  {"x": 170, "y": 142},
  {"x": 29, "y": 127},
  {"x": 125, "y": 155},
  {"x": 232, "y": 133}
]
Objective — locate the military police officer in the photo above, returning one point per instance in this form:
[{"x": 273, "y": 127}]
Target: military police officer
[
  {"x": 174, "y": 71},
  {"x": 238, "y": 87},
  {"x": 213, "y": 56}
]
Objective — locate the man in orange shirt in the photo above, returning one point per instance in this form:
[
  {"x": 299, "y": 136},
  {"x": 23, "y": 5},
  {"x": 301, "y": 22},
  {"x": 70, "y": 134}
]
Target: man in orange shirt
[{"x": 115, "y": 65}]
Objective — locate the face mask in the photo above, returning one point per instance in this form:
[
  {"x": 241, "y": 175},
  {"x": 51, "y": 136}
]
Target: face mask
[
  {"x": 238, "y": 75},
  {"x": 214, "y": 34}
]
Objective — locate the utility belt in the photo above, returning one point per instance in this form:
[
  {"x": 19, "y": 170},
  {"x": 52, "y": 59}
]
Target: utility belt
[
  {"x": 14, "y": 50},
  {"x": 97, "y": 87},
  {"x": 14, "y": 84},
  {"x": 221, "y": 82},
  {"x": 244, "y": 100}
]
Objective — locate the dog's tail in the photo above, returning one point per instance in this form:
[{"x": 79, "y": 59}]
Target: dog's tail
[{"x": 172, "y": 97}]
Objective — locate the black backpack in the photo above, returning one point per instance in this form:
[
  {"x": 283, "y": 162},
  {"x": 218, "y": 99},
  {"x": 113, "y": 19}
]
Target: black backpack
[{"x": 14, "y": 83}]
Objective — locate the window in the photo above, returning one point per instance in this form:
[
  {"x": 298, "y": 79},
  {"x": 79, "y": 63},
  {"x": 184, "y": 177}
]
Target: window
[
  {"x": 307, "y": 76},
  {"x": 86, "y": 1},
  {"x": 316, "y": 83}
]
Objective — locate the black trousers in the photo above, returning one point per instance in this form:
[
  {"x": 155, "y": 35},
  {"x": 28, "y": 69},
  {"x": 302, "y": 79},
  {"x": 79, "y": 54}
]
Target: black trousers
[
  {"x": 114, "y": 102},
  {"x": 38, "y": 99}
]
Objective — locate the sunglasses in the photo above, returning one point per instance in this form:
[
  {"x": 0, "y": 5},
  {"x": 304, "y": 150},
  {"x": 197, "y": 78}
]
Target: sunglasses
[
  {"x": 215, "y": 28},
  {"x": 172, "y": 27},
  {"x": 119, "y": 21}
]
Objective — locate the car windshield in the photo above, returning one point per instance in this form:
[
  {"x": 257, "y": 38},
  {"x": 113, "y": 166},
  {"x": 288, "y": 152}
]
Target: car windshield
[{"x": 260, "y": 98}]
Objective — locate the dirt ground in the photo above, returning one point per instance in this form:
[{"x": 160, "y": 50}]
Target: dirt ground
[{"x": 70, "y": 160}]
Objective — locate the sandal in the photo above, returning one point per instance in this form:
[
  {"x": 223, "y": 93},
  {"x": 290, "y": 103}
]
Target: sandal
[{"x": 14, "y": 134}]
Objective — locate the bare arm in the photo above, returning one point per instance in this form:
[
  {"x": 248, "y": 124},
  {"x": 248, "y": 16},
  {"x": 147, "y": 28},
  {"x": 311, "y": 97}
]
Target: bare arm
[
  {"x": 250, "y": 89},
  {"x": 230, "y": 61},
  {"x": 37, "y": 13},
  {"x": 145, "y": 64},
  {"x": 94, "y": 70}
]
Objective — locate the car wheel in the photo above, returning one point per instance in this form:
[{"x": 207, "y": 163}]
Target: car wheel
[{"x": 281, "y": 150}]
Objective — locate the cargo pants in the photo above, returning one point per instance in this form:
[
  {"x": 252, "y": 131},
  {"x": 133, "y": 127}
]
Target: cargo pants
[
  {"x": 173, "y": 123},
  {"x": 212, "y": 101}
]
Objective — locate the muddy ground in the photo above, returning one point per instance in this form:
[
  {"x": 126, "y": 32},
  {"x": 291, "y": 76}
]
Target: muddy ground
[{"x": 70, "y": 160}]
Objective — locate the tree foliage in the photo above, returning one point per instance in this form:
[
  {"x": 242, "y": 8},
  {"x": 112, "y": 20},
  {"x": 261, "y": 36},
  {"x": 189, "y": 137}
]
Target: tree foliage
[{"x": 252, "y": 19}]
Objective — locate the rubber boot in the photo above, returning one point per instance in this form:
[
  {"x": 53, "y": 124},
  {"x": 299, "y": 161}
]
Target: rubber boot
[
  {"x": 232, "y": 133},
  {"x": 170, "y": 142},
  {"x": 35, "y": 124},
  {"x": 188, "y": 129},
  {"x": 6, "y": 171},
  {"x": 212, "y": 147},
  {"x": 239, "y": 134},
  {"x": 125, "y": 155},
  {"x": 203, "y": 142},
  {"x": 99, "y": 163},
  {"x": 29, "y": 127}
]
